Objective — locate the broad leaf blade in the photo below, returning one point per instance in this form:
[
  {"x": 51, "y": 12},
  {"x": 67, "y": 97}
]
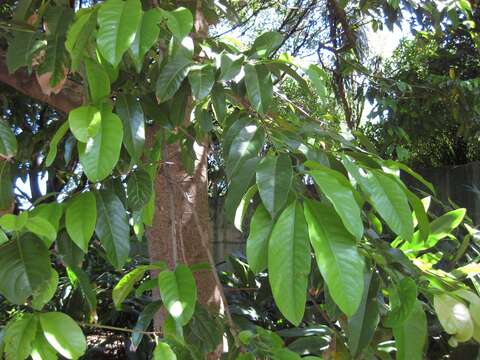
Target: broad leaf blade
[{"x": 80, "y": 219}]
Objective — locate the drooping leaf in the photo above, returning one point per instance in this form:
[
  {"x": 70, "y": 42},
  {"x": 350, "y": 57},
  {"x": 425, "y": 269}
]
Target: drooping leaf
[
  {"x": 289, "y": 262},
  {"x": 112, "y": 227},
  {"x": 342, "y": 196},
  {"x": 125, "y": 286},
  {"x": 85, "y": 122},
  {"x": 266, "y": 43},
  {"x": 261, "y": 226},
  {"x": 163, "y": 351},
  {"x": 178, "y": 292},
  {"x": 143, "y": 321},
  {"x": 171, "y": 77},
  {"x": 63, "y": 334},
  {"x": 139, "y": 189},
  {"x": 146, "y": 36},
  {"x": 24, "y": 268},
  {"x": 8, "y": 141},
  {"x": 57, "y": 137},
  {"x": 41, "y": 349},
  {"x": 83, "y": 282},
  {"x": 46, "y": 293},
  {"x": 80, "y": 219},
  {"x": 337, "y": 256},
  {"x": 101, "y": 153},
  {"x": 130, "y": 112},
  {"x": 42, "y": 228},
  {"x": 230, "y": 66},
  {"x": 410, "y": 338},
  {"x": 52, "y": 212},
  {"x": 70, "y": 254},
  {"x": 219, "y": 103},
  {"x": 79, "y": 34},
  {"x": 21, "y": 50},
  {"x": 98, "y": 80},
  {"x": 118, "y": 22},
  {"x": 402, "y": 302},
  {"x": 19, "y": 337},
  {"x": 362, "y": 325},
  {"x": 259, "y": 86},
  {"x": 54, "y": 63},
  {"x": 274, "y": 178},
  {"x": 201, "y": 79},
  {"x": 179, "y": 22},
  {"x": 245, "y": 145}
]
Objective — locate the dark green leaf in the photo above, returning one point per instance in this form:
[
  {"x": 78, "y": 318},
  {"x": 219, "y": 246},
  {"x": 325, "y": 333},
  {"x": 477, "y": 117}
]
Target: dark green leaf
[
  {"x": 70, "y": 254},
  {"x": 179, "y": 22},
  {"x": 230, "y": 66},
  {"x": 171, "y": 77},
  {"x": 57, "y": 137},
  {"x": 79, "y": 34},
  {"x": 19, "y": 337},
  {"x": 21, "y": 50},
  {"x": 125, "y": 286},
  {"x": 410, "y": 338},
  {"x": 266, "y": 43},
  {"x": 259, "y": 86},
  {"x": 246, "y": 144},
  {"x": 8, "y": 141},
  {"x": 201, "y": 80},
  {"x": 6, "y": 185},
  {"x": 403, "y": 298},
  {"x": 257, "y": 242},
  {"x": 143, "y": 322},
  {"x": 139, "y": 189},
  {"x": 130, "y": 112}
]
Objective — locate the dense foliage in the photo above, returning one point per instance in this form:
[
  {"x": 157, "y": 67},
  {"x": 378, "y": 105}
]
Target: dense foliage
[{"x": 342, "y": 259}]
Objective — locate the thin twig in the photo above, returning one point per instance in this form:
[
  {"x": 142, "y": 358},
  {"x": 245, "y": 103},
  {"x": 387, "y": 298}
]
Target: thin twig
[{"x": 115, "y": 328}]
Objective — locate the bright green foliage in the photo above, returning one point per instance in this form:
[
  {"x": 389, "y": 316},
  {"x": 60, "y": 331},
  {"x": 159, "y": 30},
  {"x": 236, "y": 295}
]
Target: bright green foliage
[
  {"x": 257, "y": 242},
  {"x": 289, "y": 262},
  {"x": 259, "y": 86},
  {"x": 411, "y": 336},
  {"x": 163, "y": 352},
  {"x": 80, "y": 219}
]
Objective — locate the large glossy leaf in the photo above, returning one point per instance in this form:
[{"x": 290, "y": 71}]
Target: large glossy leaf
[
  {"x": 178, "y": 292},
  {"x": 337, "y": 256},
  {"x": 274, "y": 178},
  {"x": 52, "y": 212},
  {"x": 179, "y": 22},
  {"x": 100, "y": 154},
  {"x": 201, "y": 80},
  {"x": 289, "y": 262},
  {"x": 239, "y": 185},
  {"x": 24, "y": 268},
  {"x": 230, "y": 66},
  {"x": 46, "y": 293},
  {"x": 63, "y": 334},
  {"x": 139, "y": 189},
  {"x": 402, "y": 302},
  {"x": 118, "y": 21},
  {"x": 386, "y": 196},
  {"x": 130, "y": 112},
  {"x": 362, "y": 325},
  {"x": 19, "y": 337},
  {"x": 258, "y": 81},
  {"x": 80, "y": 219},
  {"x": 112, "y": 227},
  {"x": 41, "y": 349},
  {"x": 8, "y": 141},
  {"x": 42, "y": 228},
  {"x": 146, "y": 36},
  {"x": 84, "y": 122},
  {"x": 79, "y": 34},
  {"x": 410, "y": 338},
  {"x": 171, "y": 77},
  {"x": 98, "y": 80},
  {"x": 246, "y": 144},
  {"x": 261, "y": 226},
  {"x": 342, "y": 195}
]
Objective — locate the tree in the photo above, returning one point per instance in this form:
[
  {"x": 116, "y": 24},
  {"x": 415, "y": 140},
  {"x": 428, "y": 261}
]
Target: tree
[{"x": 141, "y": 87}]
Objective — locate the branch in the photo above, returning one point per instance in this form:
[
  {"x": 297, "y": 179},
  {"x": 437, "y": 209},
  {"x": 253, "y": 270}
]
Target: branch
[{"x": 69, "y": 98}]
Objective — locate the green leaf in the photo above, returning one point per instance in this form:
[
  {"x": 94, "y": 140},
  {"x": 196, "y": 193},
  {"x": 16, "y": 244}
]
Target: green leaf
[
  {"x": 403, "y": 298},
  {"x": 83, "y": 282},
  {"x": 178, "y": 292},
  {"x": 171, "y": 77},
  {"x": 85, "y": 122},
  {"x": 3, "y": 237},
  {"x": 243, "y": 207},
  {"x": 55, "y": 60},
  {"x": 257, "y": 243},
  {"x": 63, "y": 334},
  {"x": 179, "y": 22},
  {"x": 125, "y": 286},
  {"x": 21, "y": 50},
  {"x": 24, "y": 268},
  {"x": 259, "y": 86},
  {"x": 246, "y": 144},
  {"x": 70, "y": 254},
  {"x": 266, "y": 43},
  {"x": 139, "y": 189},
  {"x": 130, "y": 112},
  {"x": 98, "y": 80},
  {"x": 289, "y": 262},
  {"x": 201, "y": 78},
  {"x": 8, "y": 141},
  {"x": 399, "y": 166},
  {"x": 285, "y": 354},
  {"x": 47, "y": 292},
  {"x": 387, "y": 197},
  {"x": 12, "y": 222},
  {"x": 219, "y": 103},
  {"x": 112, "y": 227},
  {"x": 146, "y": 36},
  {"x": 239, "y": 185},
  {"x": 337, "y": 256},
  {"x": 101, "y": 153},
  {"x": 274, "y": 178},
  {"x": 118, "y": 22},
  {"x": 19, "y": 337},
  {"x": 318, "y": 78},
  {"x": 52, "y": 212},
  {"x": 362, "y": 325},
  {"x": 410, "y": 338},
  {"x": 6, "y": 185},
  {"x": 163, "y": 351},
  {"x": 43, "y": 228},
  {"x": 79, "y": 35},
  {"x": 230, "y": 66},
  {"x": 80, "y": 219},
  {"x": 143, "y": 322},
  {"x": 41, "y": 349},
  {"x": 57, "y": 137},
  {"x": 342, "y": 195}
]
